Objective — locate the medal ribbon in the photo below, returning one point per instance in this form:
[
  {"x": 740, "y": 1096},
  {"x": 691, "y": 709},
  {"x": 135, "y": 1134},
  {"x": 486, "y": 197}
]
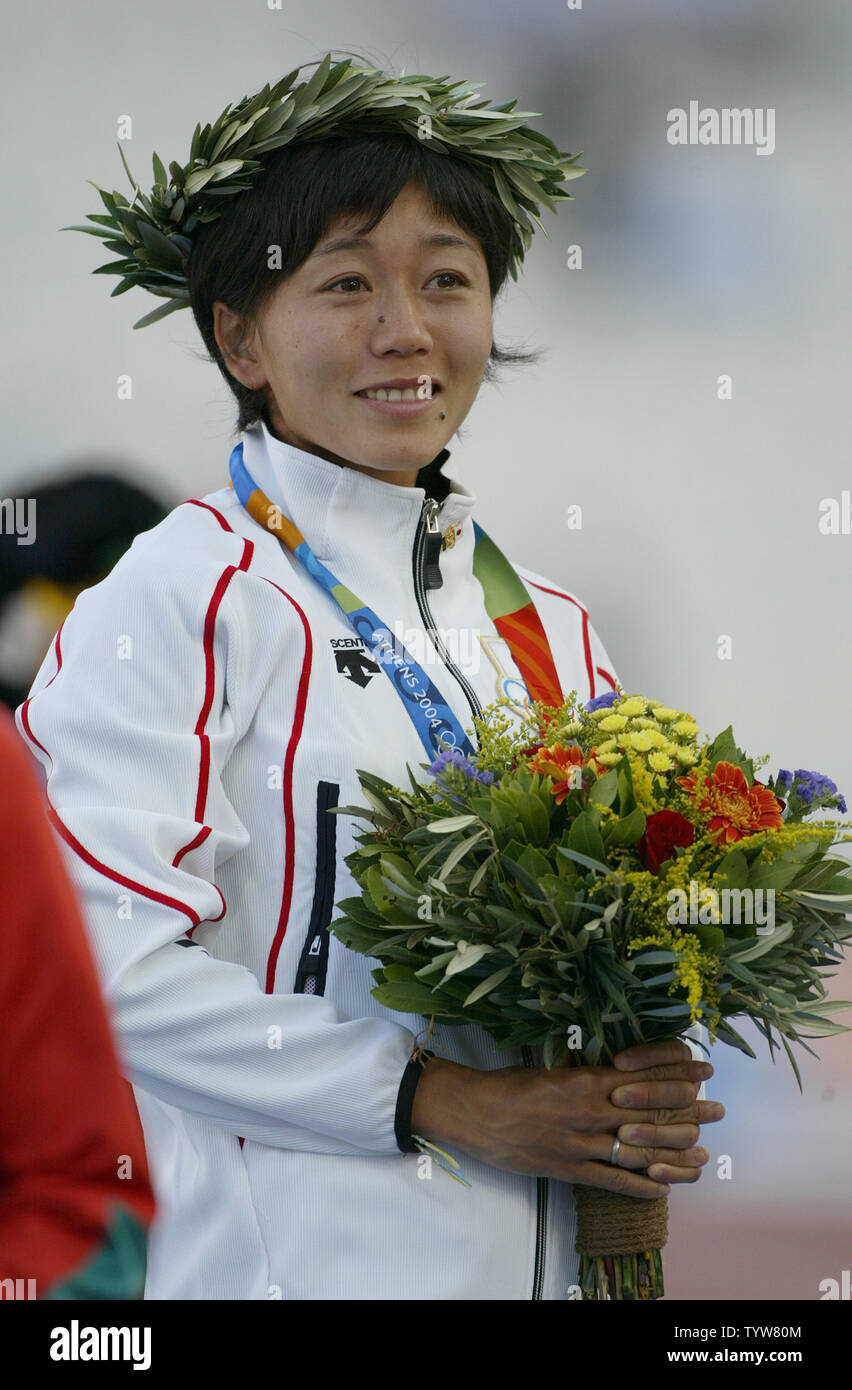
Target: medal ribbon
[{"x": 506, "y": 601}]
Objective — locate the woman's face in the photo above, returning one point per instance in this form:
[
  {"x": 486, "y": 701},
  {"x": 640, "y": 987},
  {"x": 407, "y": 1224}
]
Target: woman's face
[{"x": 410, "y": 300}]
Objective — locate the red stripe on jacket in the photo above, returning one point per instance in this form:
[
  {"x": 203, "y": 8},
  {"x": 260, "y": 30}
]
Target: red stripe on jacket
[
  {"x": 209, "y": 664},
  {"x": 287, "y": 779},
  {"x": 204, "y": 759},
  {"x": 57, "y": 647}
]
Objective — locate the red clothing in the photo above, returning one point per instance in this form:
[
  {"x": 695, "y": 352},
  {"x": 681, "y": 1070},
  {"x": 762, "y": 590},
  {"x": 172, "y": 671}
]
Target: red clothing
[{"x": 68, "y": 1121}]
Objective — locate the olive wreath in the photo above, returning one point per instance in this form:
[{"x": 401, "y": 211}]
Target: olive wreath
[{"x": 153, "y": 235}]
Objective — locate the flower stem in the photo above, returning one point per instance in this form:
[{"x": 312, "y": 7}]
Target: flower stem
[{"x": 622, "y": 1278}]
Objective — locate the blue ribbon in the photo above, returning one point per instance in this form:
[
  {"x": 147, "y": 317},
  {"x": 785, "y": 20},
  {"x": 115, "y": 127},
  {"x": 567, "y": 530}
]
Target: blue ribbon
[{"x": 432, "y": 717}]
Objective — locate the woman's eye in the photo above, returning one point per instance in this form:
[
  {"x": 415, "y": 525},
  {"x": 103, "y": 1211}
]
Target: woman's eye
[
  {"x": 450, "y": 275},
  {"x": 347, "y": 280}
]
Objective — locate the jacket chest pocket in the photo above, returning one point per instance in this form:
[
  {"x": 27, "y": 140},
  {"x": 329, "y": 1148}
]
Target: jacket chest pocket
[{"x": 313, "y": 962}]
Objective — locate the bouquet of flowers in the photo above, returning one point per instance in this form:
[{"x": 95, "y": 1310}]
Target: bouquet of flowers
[{"x": 597, "y": 877}]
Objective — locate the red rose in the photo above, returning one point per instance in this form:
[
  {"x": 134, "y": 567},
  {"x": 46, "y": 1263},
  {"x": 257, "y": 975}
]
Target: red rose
[
  {"x": 663, "y": 831},
  {"x": 526, "y": 753}
]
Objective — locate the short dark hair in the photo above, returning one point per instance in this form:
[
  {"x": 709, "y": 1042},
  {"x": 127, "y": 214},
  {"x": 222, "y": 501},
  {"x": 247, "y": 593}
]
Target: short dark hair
[{"x": 303, "y": 190}]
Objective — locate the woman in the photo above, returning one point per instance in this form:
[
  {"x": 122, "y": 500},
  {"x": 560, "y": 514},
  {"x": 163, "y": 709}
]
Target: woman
[{"x": 209, "y": 702}]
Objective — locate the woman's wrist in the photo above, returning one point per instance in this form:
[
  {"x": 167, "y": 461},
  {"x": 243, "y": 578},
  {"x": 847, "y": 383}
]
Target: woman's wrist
[{"x": 446, "y": 1103}]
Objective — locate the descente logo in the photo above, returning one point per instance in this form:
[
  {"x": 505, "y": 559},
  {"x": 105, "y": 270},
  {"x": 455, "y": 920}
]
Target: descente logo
[
  {"x": 727, "y": 126},
  {"x": 76, "y": 1343}
]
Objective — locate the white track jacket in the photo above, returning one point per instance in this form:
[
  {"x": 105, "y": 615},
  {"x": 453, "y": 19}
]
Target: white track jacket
[{"x": 198, "y": 711}]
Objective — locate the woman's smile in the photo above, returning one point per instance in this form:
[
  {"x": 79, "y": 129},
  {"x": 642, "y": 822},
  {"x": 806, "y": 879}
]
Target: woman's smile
[{"x": 401, "y": 397}]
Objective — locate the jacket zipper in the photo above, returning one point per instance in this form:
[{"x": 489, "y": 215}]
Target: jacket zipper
[
  {"x": 541, "y": 1212},
  {"x": 313, "y": 963},
  {"x": 427, "y": 575}
]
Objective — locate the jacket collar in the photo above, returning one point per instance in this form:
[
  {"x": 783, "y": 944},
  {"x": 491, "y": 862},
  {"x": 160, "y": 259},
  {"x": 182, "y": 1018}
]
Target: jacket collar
[{"x": 343, "y": 512}]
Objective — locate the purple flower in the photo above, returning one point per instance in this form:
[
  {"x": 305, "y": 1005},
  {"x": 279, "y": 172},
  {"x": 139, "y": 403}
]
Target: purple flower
[
  {"x": 810, "y": 786},
  {"x": 820, "y": 785},
  {"x": 810, "y": 789},
  {"x": 458, "y": 759},
  {"x": 602, "y": 701}
]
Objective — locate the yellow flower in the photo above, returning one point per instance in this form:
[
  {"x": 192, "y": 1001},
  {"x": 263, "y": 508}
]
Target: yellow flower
[
  {"x": 608, "y": 746},
  {"x": 687, "y": 727},
  {"x": 695, "y": 969},
  {"x": 608, "y": 759},
  {"x": 665, "y": 715},
  {"x": 613, "y": 722},
  {"x": 660, "y": 762},
  {"x": 641, "y": 742},
  {"x": 687, "y": 757},
  {"x": 632, "y": 707},
  {"x": 643, "y": 788},
  {"x": 675, "y": 873}
]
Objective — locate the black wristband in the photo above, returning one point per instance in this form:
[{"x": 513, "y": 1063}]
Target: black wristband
[{"x": 405, "y": 1101}]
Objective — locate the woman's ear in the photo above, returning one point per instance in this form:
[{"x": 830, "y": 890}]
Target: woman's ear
[{"x": 237, "y": 342}]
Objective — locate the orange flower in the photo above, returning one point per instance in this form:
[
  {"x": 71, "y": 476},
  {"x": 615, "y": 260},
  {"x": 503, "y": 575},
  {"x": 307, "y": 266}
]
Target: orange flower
[
  {"x": 562, "y": 764},
  {"x": 735, "y": 808}
]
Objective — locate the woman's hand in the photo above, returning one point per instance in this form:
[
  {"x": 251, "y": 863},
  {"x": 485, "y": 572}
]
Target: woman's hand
[
  {"x": 665, "y": 1142},
  {"x": 560, "y": 1123}
]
